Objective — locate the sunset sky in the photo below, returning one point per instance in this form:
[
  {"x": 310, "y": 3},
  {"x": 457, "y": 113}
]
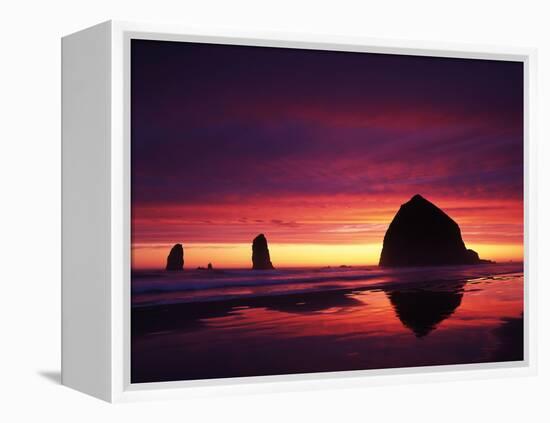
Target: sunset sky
[{"x": 317, "y": 150}]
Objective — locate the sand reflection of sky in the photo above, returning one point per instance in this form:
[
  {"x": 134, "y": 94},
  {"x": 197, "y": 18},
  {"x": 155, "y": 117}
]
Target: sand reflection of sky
[{"x": 480, "y": 321}]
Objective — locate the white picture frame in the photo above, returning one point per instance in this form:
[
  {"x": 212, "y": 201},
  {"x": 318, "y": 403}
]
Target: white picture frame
[{"x": 96, "y": 214}]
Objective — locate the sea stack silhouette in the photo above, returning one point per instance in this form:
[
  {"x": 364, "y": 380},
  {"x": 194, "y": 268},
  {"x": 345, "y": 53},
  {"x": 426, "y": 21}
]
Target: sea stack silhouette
[
  {"x": 260, "y": 254},
  {"x": 174, "y": 262},
  {"x": 421, "y": 234}
]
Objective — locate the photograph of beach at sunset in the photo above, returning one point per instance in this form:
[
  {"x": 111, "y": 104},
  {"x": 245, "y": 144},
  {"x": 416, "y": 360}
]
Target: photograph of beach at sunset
[{"x": 302, "y": 211}]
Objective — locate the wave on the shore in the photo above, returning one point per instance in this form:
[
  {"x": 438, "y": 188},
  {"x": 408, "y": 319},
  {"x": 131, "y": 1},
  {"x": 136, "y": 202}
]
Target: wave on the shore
[{"x": 203, "y": 285}]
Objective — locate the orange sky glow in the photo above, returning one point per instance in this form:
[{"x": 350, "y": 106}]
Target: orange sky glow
[{"x": 342, "y": 231}]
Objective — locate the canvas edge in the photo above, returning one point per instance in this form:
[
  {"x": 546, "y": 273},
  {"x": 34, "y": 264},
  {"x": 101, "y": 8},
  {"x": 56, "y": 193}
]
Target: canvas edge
[
  {"x": 85, "y": 142},
  {"x": 122, "y": 390}
]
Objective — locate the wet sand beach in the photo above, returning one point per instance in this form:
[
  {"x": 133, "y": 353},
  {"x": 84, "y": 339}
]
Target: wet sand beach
[{"x": 323, "y": 324}]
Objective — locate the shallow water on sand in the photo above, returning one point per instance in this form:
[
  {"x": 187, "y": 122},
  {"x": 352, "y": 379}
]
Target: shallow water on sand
[{"x": 234, "y": 323}]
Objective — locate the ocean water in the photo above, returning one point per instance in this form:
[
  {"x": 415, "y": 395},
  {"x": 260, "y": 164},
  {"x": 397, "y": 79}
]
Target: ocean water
[{"x": 200, "y": 324}]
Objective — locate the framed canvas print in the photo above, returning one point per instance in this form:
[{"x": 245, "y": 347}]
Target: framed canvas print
[{"x": 289, "y": 210}]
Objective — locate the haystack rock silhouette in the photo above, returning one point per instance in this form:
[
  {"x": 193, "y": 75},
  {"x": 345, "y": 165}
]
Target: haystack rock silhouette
[
  {"x": 174, "y": 261},
  {"x": 260, "y": 254},
  {"x": 421, "y": 234}
]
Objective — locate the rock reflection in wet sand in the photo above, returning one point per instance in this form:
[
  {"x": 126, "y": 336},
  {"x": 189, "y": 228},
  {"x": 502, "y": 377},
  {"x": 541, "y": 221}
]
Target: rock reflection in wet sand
[{"x": 451, "y": 323}]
